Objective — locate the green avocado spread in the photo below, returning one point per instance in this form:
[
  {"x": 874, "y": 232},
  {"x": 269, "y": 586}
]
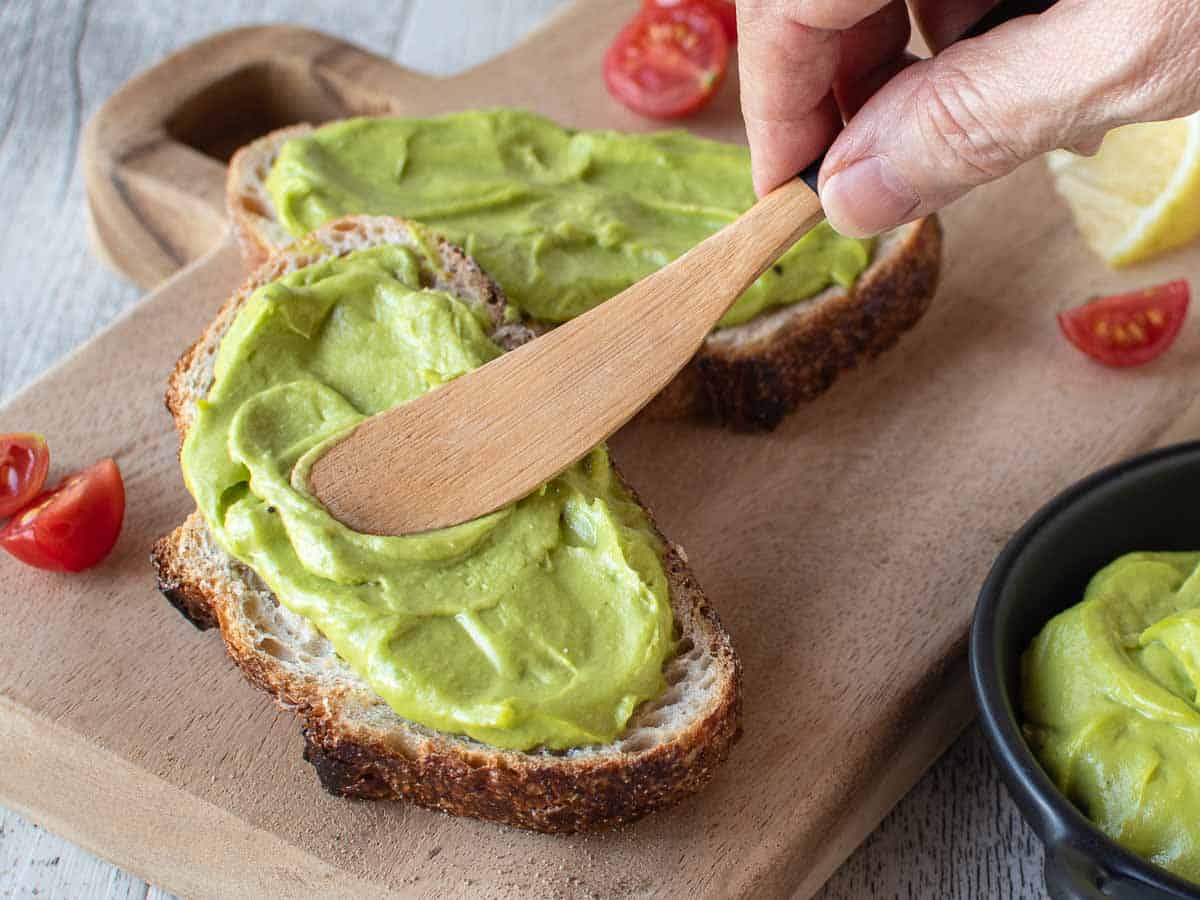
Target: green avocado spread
[
  {"x": 562, "y": 219},
  {"x": 542, "y": 625},
  {"x": 1109, "y": 693}
]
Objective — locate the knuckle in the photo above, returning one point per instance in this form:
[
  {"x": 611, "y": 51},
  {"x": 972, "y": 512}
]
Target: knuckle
[
  {"x": 1084, "y": 144},
  {"x": 961, "y": 129},
  {"x": 1164, "y": 63}
]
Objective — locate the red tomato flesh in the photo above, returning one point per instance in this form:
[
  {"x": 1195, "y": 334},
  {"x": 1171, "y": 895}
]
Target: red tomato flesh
[
  {"x": 73, "y": 526},
  {"x": 24, "y": 462},
  {"x": 722, "y": 9},
  {"x": 1128, "y": 329},
  {"x": 668, "y": 61}
]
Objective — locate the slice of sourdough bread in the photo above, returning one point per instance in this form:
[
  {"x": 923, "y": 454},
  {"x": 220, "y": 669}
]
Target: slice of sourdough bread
[
  {"x": 749, "y": 376},
  {"x": 359, "y": 746}
]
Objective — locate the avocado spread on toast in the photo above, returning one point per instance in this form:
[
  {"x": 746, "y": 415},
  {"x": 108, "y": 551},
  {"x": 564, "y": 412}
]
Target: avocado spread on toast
[
  {"x": 542, "y": 625},
  {"x": 562, "y": 219},
  {"x": 1110, "y": 703}
]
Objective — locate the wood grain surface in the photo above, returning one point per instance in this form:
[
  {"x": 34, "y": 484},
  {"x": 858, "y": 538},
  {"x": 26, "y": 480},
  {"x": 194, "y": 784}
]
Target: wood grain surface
[{"x": 955, "y": 835}]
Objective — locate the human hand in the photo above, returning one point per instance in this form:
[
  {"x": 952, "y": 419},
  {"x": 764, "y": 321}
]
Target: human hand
[{"x": 921, "y": 134}]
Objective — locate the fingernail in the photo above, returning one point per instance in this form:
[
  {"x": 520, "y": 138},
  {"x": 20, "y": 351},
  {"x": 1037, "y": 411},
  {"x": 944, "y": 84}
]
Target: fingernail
[{"x": 868, "y": 197}]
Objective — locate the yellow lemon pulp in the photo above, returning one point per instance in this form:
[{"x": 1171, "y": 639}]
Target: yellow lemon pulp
[{"x": 1139, "y": 196}]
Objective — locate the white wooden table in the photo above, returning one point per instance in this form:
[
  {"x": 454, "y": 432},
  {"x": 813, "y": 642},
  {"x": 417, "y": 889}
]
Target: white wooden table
[{"x": 957, "y": 834}]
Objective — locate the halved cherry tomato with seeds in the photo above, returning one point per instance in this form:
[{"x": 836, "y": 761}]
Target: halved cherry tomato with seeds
[
  {"x": 24, "y": 462},
  {"x": 73, "y": 526},
  {"x": 668, "y": 61},
  {"x": 1128, "y": 329},
  {"x": 722, "y": 9}
]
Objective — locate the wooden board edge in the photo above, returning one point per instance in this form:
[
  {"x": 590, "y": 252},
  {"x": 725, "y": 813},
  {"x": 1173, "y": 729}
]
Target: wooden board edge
[
  {"x": 1185, "y": 427},
  {"x": 136, "y": 820},
  {"x": 216, "y": 265},
  {"x": 543, "y": 30},
  {"x": 946, "y": 714}
]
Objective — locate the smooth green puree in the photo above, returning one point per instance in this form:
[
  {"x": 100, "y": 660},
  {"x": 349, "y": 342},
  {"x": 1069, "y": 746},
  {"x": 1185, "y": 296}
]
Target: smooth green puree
[
  {"x": 543, "y": 624},
  {"x": 1109, "y": 691},
  {"x": 562, "y": 219}
]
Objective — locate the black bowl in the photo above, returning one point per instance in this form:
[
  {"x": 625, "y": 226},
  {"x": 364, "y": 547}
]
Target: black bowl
[{"x": 1150, "y": 502}]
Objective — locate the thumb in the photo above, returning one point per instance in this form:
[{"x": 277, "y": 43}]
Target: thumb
[{"x": 986, "y": 105}]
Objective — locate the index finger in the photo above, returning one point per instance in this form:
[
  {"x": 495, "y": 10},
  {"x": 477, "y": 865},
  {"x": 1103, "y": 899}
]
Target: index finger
[{"x": 787, "y": 71}]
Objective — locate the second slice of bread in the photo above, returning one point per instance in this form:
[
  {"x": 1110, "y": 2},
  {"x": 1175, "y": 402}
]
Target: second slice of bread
[
  {"x": 358, "y": 745},
  {"x": 749, "y": 376}
]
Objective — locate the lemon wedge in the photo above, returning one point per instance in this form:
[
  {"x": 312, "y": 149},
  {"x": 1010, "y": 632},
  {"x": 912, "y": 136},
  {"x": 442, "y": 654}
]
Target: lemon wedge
[{"x": 1139, "y": 196}]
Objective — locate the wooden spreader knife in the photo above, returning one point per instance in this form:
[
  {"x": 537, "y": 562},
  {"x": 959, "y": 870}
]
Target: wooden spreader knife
[{"x": 457, "y": 453}]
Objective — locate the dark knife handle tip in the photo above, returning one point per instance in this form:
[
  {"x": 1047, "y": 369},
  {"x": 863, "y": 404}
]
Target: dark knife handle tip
[{"x": 809, "y": 176}]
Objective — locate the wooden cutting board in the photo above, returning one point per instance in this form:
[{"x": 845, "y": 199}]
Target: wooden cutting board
[{"x": 843, "y": 551}]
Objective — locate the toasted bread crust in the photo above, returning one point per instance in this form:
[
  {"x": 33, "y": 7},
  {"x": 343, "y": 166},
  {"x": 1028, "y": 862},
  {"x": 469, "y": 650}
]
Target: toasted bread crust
[
  {"x": 751, "y": 381},
  {"x": 355, "y": 756},
  {"x": 170, "y": 575},
  {"x": 249, "y": 205},
  {"x": 746, "y": 377},
  {"x": 542, "y": 792}
]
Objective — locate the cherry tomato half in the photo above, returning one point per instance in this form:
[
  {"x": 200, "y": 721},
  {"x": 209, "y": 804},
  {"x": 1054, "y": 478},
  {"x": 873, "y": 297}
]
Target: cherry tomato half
[
  {"x": 24, "y": 462},
  {"x": 1128, "y": 329},
  {"x": 73, "y": 526},
  {"x": 722, "y": 9},
  {"x": 668, "y": 61}
]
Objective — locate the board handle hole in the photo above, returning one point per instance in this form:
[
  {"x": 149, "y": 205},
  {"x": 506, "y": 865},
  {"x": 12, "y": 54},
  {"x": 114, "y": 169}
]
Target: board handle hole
[{"x": 250, "y": 102}]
